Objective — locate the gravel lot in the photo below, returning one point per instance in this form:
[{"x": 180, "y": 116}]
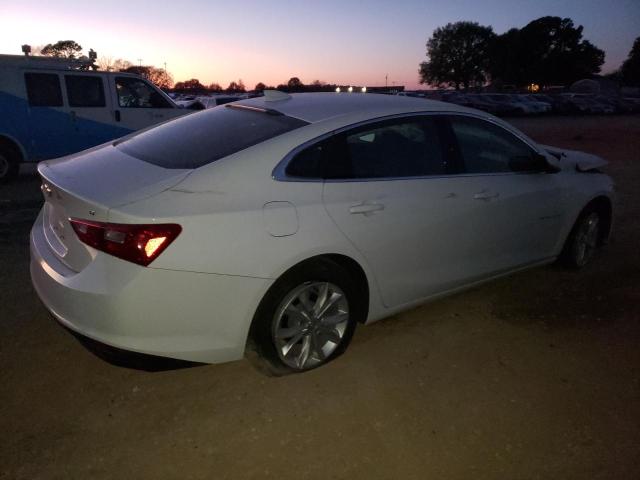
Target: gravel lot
[{"x": 533, "y": 376}]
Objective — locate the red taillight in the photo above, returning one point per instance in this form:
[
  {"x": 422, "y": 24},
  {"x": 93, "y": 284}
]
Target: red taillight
[{"x": 140, "y": 244}]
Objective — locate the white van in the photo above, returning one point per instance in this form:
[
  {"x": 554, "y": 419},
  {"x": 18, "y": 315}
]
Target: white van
[{"x": 52, "y": 107}]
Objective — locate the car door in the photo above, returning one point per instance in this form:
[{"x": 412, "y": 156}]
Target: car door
[
  {"x": 520, "y": 200},
  {"x": 138, "y": 104},
  {"x": 89, "y": 109},
  {"x": 50, "y": 127},
  {"x": 391, "y": 188}
]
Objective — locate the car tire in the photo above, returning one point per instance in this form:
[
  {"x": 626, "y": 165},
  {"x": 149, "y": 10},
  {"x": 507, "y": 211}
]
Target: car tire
[
  {"x": 9, "y": 164},
  {"x": 306, "y": 319},
  {"x": 584, "y": 239}
]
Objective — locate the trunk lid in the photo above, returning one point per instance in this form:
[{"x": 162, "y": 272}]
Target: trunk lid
[{"x": 87, "y": 185}]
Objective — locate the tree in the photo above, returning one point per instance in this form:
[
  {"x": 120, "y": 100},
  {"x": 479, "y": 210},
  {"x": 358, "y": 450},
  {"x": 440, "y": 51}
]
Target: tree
[
  {"x": 157, "y": 76},
  {"x": 62, "y": 49},
  {"x": 547, "y": 51},
  {"x": 120, "y": 65},
  {"x": 259, "y": 87},
  {"x": 236, "y": 87},
  {"x": 215, "y": 87},
  {"x": 190, "y": 86},
  {"x": 458, "y": 54},
  {"x": 108, "y": 64},
  {"x": 295, "y": 84},
  {"x": 631, "y": 67}
]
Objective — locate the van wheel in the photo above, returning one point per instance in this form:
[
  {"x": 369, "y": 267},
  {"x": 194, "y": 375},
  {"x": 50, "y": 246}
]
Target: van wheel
[
  {"x": 306, "y": 319},
  {"x": 9, "y": 164}
]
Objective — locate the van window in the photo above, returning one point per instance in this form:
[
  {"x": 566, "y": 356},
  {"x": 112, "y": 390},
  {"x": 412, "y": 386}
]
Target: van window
[
  {"x": 203, "y": 137},
  {"x": 136, "y": 93},
  {"x": 43, "y": 89},
  {"x": 84, "y": 91}
]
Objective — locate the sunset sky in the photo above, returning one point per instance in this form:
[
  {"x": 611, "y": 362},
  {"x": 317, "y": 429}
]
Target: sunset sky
[{"x": 346, "y": 42}]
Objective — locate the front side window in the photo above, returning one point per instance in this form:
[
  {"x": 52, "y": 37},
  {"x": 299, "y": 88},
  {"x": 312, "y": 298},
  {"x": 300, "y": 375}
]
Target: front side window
[
  {"x": 136, "y": 93},
  {"x": 488, "y": 148},
  {"x": 407, "y": 147},
  {"x": 85, "y": 91},
  {"x": 43, "y": 89}
]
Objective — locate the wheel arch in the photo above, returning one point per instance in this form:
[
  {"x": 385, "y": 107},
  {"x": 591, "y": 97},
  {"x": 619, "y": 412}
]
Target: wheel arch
[
  {"x": 258, "y": 350},
  {"x": 7, "y": 140},
  {"x": 353, "y": 267}
]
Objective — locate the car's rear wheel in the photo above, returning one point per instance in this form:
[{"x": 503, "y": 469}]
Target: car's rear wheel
[
  {"x": 306, "y": 319},
  {"x": 583, "y": 240}
]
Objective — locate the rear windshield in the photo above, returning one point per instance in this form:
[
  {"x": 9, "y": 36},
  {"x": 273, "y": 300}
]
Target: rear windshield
[{"x": 204, "y": 137}]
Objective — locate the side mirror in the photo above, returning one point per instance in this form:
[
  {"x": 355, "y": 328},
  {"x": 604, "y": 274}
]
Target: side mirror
[
  {"x": 534, "y": 163},
  {"x": 547, "y": 166}
]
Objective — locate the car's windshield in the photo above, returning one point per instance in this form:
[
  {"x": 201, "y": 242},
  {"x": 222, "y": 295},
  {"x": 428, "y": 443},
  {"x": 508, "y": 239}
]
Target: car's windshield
[{"x": 204, "y": 137}]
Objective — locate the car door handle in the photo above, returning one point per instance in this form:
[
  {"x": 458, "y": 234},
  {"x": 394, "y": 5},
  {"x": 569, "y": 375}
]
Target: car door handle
[
  {"x": 366, "y": 208},
  {"x": 485, "y": 196}
]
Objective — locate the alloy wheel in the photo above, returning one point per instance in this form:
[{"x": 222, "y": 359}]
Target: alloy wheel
[
  {"x": 309, "y": 324},
  {"x": 586, "y": 241}
]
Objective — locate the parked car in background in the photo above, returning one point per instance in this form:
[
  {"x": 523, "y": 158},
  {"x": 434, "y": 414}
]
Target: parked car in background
[
  {"x": 51, "y": 108},
  {"x": 618, "y": 104},
  {"x": 532, "y": 107},
  {"x": 634, "y": 103},
  {"x": 485, "y": 103},
  {"x": 588, "y": 104},
  {"x": 561, "y": 104},
  {"x": 411, "y": 94},
  {"x": 541, "y": 105},
  {"x": 190, "y": 104},
  {"x": 215, "y": 100},
  {"x": 282, "y": 222},
  {"x": 519, "y": 108}
]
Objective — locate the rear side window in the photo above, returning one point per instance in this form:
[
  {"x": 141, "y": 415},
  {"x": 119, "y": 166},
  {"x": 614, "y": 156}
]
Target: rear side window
[
  {"x": 43, "y": 89},
  {"x": 84, "y": 91},
  {"x": 309, "y": 162},
  {"x": 200, "y": 138}
]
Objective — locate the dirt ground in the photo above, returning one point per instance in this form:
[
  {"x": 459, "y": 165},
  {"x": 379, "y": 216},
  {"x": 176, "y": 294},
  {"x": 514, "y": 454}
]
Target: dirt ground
[{"x": 536, "y": 376}]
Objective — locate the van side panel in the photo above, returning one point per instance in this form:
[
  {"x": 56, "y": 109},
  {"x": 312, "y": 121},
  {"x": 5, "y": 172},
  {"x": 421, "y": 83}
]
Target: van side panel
[
  {"x": 47, "y": 132},
  {"x": 13, "y": 121}
]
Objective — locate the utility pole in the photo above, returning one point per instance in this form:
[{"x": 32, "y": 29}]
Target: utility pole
[
  {"x": 139, "y": 62},
  {"x": 165, "y": 67},
  {"x": 386, "y": 78}
]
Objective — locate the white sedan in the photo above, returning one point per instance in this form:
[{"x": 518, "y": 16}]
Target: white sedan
[{"x": 279, "y": 223}]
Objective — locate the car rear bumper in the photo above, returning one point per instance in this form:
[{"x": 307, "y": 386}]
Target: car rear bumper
[{"x": 189, "y": 316}]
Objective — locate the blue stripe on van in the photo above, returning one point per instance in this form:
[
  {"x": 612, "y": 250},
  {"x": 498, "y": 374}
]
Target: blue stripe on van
[{"x": 46, "y": 132}]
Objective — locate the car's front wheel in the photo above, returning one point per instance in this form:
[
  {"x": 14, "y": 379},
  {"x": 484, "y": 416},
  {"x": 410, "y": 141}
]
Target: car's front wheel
[
  {"x": 306, "y": 319},
  {"x": 583, "y": 240}
]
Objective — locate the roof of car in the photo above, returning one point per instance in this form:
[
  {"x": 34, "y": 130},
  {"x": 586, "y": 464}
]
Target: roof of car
[{"x": 316, "y": 107}]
